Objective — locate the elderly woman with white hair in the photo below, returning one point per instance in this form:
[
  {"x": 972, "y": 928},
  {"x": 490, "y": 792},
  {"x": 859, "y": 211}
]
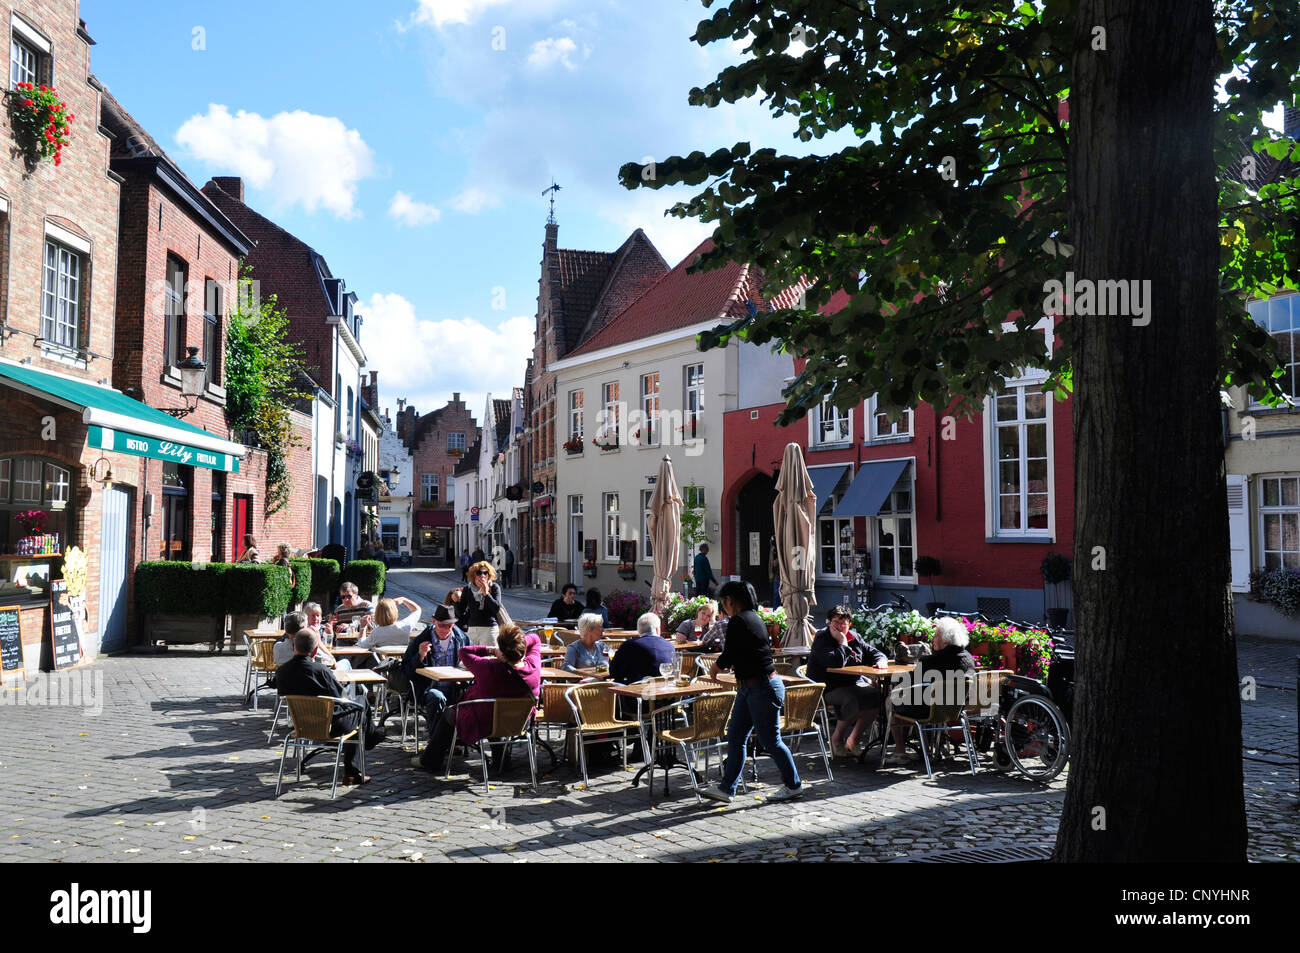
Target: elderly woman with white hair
[
  {"x": 589, "y": 651},
  {"x": 949, "y": 654}
]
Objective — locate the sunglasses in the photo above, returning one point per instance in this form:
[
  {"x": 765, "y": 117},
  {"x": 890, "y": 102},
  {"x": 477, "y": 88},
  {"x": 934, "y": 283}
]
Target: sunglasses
[{"x": 482, "y": 572}]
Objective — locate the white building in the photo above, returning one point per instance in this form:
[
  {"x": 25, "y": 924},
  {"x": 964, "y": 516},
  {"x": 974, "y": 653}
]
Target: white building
[{"x": 396, "y": 493}]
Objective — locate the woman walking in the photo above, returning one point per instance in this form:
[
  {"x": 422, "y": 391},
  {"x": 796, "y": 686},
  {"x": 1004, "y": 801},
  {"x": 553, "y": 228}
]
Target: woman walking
[
  {"x": 482, "y": 605},
  {"x": 760, "y": 695}
]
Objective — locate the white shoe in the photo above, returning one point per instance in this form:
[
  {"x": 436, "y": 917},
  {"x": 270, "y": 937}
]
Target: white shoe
[
  {"x": 716, "y": 794},
  {"x": 786, "y": 794}
]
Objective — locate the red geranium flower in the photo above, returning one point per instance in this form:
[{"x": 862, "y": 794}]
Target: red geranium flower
[{"x": 28, "y": 103}]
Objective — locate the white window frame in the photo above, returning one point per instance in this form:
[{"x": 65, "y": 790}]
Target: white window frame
[
  {"x": 992, "y": 462},
  {"x": 842, "y": 421},
  {"x": 650, "y": 410},
  {"x": 892, "y": 513},
  {"x": 61, "y": 294},
  {"x": 429, "y": 487},
  {"x": 610, "y": 526},
  {"x": 20, "y": 71},
  {"x": 576, "y": 414},
  {"x": 901, "y": 430},
  {"x": 174, "y": 318},
  {"x": 1259, "y": 309},
  {"x": 57, "y": 484},
  {"x": 456, "y": 440},
  {"x": 692, "y": 398},
  {"x": 647, "y": 544},
  {"x": 1278, "y": 509},
  {"x": 451, "y": 491},
  {"x": 609, "y": 400},
  {"x": 5, "y": 479}
]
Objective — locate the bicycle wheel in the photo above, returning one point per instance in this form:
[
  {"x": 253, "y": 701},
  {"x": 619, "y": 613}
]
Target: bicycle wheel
[{"x": 1037, "y": 737}]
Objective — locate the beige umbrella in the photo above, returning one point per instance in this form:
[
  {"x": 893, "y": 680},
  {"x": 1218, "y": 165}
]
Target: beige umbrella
[
  {"x": 795, "y": 517},
  {"x": 664, "y": 524}
]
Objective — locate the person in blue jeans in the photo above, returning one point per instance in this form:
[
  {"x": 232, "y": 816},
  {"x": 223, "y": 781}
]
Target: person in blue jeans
[{"x": 760, "y": 695}]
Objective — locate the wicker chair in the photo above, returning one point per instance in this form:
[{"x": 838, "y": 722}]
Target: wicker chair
[
  {"x": 261, "y": 666},
  {"x": 803, "y": 706},
  {"x": 512, "y": 721},
  {"x": 566, "y": 637},
  {"x": 595, "y": 719},
  {"x": 312, "y": 717},
  {"x": 708, "y": 730},
  {"x": 554, "y": 712}
]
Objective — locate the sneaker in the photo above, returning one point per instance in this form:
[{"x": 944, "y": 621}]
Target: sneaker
[
  {"x": 786, "y": 794},
  {"x": 716, "y": 794}
]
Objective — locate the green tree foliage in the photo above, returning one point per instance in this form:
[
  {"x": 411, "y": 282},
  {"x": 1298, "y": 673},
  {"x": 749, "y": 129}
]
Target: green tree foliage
[
  {"x": 265, "y": 376},
  {"x": 947, "y": 212}
]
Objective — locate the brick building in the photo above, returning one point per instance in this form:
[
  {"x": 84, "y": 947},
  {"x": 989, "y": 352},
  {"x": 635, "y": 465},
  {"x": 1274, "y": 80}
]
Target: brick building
[
  {"x": 438, "y": 441},
  {"x": 579, "y": 292}
]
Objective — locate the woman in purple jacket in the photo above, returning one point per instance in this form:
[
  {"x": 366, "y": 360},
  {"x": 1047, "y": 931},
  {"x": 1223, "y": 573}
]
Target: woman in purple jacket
[{"x": 513, "y": 669}]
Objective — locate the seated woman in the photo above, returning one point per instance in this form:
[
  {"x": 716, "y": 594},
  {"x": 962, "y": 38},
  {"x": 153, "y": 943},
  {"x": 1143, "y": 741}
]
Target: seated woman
[
  {"x": 588, "y": 651},
  {"x": 513, "y": 669},
  {"x": 594, "y": 604},
  {"x": 856, "y": 698},
  {"x": 715, "y": 636},
  {"x": 389, "y": 629},
  {"x": 949, "y": 643},
  {"x": 703, "y": 619}
]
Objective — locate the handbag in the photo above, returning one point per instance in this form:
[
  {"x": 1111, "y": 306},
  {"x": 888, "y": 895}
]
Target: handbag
[{"x": 503, "y": 617}]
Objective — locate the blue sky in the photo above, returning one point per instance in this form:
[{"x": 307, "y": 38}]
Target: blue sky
[{"x": 401, "y": 140}]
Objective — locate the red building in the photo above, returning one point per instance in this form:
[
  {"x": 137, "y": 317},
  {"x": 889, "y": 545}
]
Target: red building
[
  {"x": 438, "y": 442},
  {"x": 988, "y": 496}
]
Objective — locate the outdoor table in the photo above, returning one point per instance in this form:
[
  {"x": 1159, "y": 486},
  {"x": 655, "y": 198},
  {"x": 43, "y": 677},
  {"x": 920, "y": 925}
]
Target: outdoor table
[
  {"x": 388, "y": 651},
  {"x": 686, "y": 646},
  {"x": 553, "y": 651},
  {"x": 552, "y": 674},
  {"x": 360, "y": 676},
  {"x": 668, "y": 691},
  {"x": 253, "y": 635},
  {"x": 802, "y": 651},
  {"x": 728, "y": 679},
  {"x": 348, "y": 651},
  {"x": 444, "y": 673},
  {"x": 877, "y": 675}
]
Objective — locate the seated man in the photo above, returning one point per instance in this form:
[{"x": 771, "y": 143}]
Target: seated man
[
  {"x": 303, "y": 675},
  {"x": 641, "y": 657},
  {"x": 439, "y": 648},
  {"x": 294, "y": 623},
  {"x": 567, "y": 608},
  {"x": 855, "y": 697},
  {"x": 351, "y": 607}
]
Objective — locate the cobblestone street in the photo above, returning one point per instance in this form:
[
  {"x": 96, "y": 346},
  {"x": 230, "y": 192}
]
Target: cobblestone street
[{"x": 175, "y": 768}]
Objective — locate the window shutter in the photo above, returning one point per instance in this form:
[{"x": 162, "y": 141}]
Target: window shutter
[{"x": 1239, "y": 532}]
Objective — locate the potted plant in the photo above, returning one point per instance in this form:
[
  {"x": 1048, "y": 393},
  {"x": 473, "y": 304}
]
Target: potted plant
[
  {"x": 606, "y": 444},
  {"x": 776, "y": 622},
  {"x": 927, "y": 567},
  {"x": 1056, "y": 570},
  {"x": 625, "y": 607},
  {"x": 40, "y": 122},
  {"x": 325, "y": 578},
  {"x": 627, "y": 570},
  {"x": 573, "y": 445},
  {"x": 181, "y": 603},
  {"x": 589, "y": 567},
  {"x": 369, "y": 576},
  {"x": 256, "y": 597}
]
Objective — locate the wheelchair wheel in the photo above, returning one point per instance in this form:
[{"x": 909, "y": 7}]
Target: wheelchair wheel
[{"x": 1037, "y": 737}]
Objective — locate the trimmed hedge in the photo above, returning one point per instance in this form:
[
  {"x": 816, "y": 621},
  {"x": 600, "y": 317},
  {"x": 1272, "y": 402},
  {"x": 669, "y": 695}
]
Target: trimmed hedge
[
  {"x": 177, "y": 588},
  {"x": 303, "y": 571},
  {"x": 260, "y": 589},
  {"x": 368, "y": 574},
  {"x": 324, "y": 575}
]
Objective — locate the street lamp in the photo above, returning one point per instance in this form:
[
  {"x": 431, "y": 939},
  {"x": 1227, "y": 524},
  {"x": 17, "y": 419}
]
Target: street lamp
[{"x": 194, "y": 374}]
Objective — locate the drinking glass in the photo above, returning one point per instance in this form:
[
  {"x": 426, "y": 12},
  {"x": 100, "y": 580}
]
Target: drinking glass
[
  {"x": 666, "y": 669},
  {"x": 699, "y": 631}
]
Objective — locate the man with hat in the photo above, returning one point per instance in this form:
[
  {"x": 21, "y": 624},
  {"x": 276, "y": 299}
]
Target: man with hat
[{"x": 438, "y": 645}]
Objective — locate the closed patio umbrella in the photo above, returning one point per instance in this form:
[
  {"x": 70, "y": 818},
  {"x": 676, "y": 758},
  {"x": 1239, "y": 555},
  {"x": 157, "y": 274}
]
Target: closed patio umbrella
[
  {"x": 794, "y": 514},
  {"x": 664, "y": 525}
]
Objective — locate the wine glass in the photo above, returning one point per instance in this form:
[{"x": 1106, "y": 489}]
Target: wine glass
[{"x": 666, "y": 669}]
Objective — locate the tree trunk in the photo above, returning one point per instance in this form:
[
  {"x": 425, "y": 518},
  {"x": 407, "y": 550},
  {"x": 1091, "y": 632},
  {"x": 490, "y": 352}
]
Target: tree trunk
[{"x": 1156, "y": 769}]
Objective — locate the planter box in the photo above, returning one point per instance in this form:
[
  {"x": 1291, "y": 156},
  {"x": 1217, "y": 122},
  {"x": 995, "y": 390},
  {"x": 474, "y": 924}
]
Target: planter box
[{"x": 183, "y": 629}]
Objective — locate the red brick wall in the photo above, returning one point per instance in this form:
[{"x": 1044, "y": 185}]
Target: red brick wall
[{"x": 429, "y": 448}]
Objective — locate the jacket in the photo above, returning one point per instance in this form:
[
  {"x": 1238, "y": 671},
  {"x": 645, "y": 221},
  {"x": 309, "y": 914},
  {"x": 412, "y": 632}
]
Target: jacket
[
  {"x": 640, "y": 658},
  {"x": 474, "y": 615},
  {"x": 828, "y": 653},
  {"x": 703, "y": 572},
  {"x": 411, "y": 659},
  {"x": 494, "y": 678},
  {"x": 304, "y": 676}
]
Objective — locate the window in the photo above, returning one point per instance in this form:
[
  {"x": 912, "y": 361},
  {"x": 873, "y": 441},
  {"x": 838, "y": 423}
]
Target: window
[
  {"x": 456, "y": 441},
  {"x": 389, "y": 530},
  {"x": 693, "y": 496},
  {"x": 27, "y": 481},
  {"x": 693, "y": 404},
  {"x": 575, "y": 506},
  {"x": 611, "y": 525},
  {"x": 175, "y": 542},
  {"x": 647, "y": 544},
  {"x": 428, "y": 487},
  {"x": 895, "y": 535},
  {"x": 4, "y": 480},
  {"x": 1280, "y": 317},
  {"x": 212, "y": 330},
  {"x": 649, "y": 409},
  {"x": 575, "y": 415},
  {"x": 609, "y": 424},
  {"x": 34, "y": 483},
  {"x": 451, "y": 491},
  {"x": 1279, "y": 517},
  {"x": 1021, "y": 461},
  {"x": 174, "y": 312},
  {"x": 834, "y": 537},
  {"x": 24, "y": 63},
  {"x": 830, "y": 425},
  {"x": 61, "y": 295},
  {"x": 882, "y": 428},
  {"x": 56, "y": 486}
]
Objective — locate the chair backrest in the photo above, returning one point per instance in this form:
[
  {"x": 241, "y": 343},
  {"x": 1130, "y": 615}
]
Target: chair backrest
[
  {"x": 591, "y": 702},
  {"x": 986, "y": 684},
  {"x": 510, "y": 716},
  {"x": 710, "y": 714},
  {"x": 801, "y": 703},
  {"x": 263, "y": 655},
  {"x": 311, "y": 715},
  {"x": 567, "y": 636},
  {"x": 802, "y": 671},
  {"x": 554, "y": 709},
  {"x": 705, "y": 662}
]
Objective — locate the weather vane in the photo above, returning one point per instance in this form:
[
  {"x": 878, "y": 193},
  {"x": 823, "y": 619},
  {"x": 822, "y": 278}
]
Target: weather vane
[{"x": 550, "y": 219}]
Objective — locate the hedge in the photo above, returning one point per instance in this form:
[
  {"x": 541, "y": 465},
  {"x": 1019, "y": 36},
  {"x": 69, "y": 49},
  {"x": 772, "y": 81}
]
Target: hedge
[
  {"x": 368, "y": 574},
  {"x": 324, "y": 575},
  {"x": 180, "y": 588},
  {"x": 260, "y": 589},
  {"x": 302, "y": 570}
]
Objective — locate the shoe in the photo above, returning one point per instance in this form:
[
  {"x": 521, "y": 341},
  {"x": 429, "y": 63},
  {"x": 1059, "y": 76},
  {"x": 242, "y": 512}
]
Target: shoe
[
  {"x": 716, "y": 794},
  {"x": 838, "y": 749},
  {"x": 355, "y": 779},
  {"x": 786, "y": 794},
  {"x": 416, "y": 762}
]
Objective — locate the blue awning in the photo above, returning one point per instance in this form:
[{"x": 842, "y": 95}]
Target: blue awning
[
  {"x": 871, "y": 488},
  {"x": 824, "y": 481}
]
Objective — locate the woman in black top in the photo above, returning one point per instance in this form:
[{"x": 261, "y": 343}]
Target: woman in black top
[
  {"x": 481, "y": 603},
  {"x": 856, "y": 698},
  {"x": 760, "y": 695}
]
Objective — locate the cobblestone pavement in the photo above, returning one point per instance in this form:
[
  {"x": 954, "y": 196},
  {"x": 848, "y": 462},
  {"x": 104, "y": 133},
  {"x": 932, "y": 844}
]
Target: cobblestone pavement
[{"x": 176, "y": 768}]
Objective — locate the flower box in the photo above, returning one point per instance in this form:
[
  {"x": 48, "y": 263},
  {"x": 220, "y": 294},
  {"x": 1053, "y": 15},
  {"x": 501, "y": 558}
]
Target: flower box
[
  {"x": 573, "y": 445},
  {"x": 40, "y": 122}
]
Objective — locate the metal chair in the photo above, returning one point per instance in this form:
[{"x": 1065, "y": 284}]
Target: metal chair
[
  {"x": 709, "y": 715},
  {"x": 261, "y": 666},
  {"x": 312, "y": 718},
  {"x": 595, "y": 719},
  {"x": 803, "y": 703},
  {"x": 942, "y": 718},
  {"x": 512, "y": 721}
]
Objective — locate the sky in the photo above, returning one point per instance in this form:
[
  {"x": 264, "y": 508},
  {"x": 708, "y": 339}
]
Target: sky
[{"x": 409, "y": 142}]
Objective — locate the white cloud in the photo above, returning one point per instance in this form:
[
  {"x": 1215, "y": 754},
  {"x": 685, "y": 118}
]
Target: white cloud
[
  {"x": 474, "y": 200},
  {"x": 425, "y": 360},
  {"x": 407, "y": 211},
  {"x": 553, "y": 50},
  {"x": 298, "y": 157},
  {"x": 440, "y": 13}
]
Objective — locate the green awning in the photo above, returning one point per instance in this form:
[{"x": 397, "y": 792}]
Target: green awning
[{"x": 124, "y": 425}]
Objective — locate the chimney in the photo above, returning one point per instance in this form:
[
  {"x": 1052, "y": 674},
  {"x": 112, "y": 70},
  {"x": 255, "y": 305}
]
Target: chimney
[
  {"x": 374, "y": 378},
  {"x": 455, "y": 397},
  {"x": 552, "y": 237},
  {"x": 230, "y": 184}
]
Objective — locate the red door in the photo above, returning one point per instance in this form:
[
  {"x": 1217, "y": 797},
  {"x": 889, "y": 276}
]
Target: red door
[{"x": 243, "y": 507}]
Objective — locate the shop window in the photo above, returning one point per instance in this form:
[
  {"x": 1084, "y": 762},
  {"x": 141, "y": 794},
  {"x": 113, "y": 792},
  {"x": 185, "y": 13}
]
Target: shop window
[
  {"x": 31, "y": 484},
  {"x": 175, "y": 541}
]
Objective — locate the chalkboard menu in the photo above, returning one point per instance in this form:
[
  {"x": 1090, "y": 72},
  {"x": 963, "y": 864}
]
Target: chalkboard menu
[
  {"x": 11, "y": 644},
  {"x": 65, "y": 626}
]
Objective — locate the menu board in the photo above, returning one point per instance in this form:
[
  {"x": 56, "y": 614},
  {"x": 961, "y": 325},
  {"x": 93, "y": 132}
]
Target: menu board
[
  {"x": 11, "y": 644},
  {"x": 65, "y": 626}
]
